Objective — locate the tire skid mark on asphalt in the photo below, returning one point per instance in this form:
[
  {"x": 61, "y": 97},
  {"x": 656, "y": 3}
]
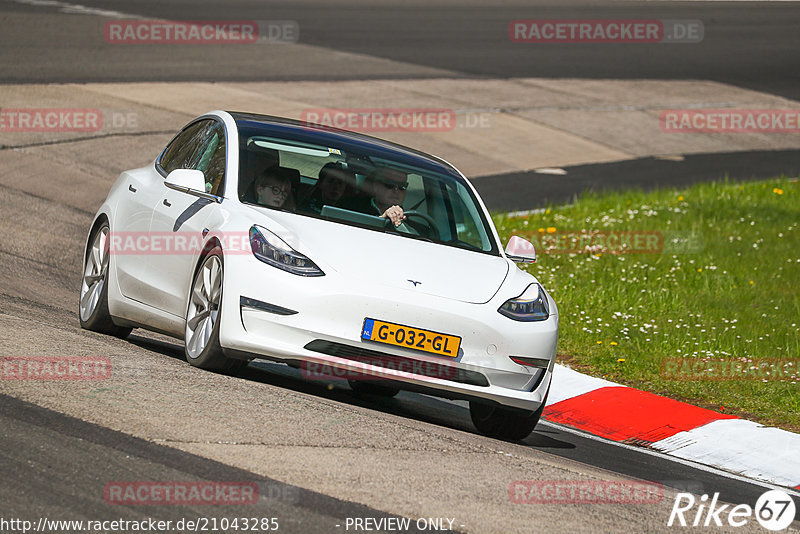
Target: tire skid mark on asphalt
[
  {"x": 39, "y": 144},
  {"x": 122, "y": 456},
  {"x": 16, "y": 300},
  {"x": 54, "y": 202},
  {"x": 57, "y": 268}
]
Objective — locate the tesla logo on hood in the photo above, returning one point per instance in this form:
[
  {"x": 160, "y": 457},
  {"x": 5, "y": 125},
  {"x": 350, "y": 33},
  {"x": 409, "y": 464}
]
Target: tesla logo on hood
[{"x": 415, "y": 282}]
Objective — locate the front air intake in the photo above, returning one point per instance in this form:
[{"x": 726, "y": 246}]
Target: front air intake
[{"x": 398, "y": 363}]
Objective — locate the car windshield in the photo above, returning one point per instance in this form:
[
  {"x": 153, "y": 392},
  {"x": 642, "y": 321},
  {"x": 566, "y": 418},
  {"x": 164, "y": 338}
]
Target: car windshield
[{"x": 351, "y": 185}]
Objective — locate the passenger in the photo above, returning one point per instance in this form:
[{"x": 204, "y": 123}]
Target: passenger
[
  {"x": 272, "y": 189},
  {"x": 330, "y": 188},
  {"x": 387, "y": 189},
  {"x": 254, "y": 162}
]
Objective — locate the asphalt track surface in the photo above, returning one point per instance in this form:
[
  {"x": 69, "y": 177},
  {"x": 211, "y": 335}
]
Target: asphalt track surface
[
  {"x": 55, "y": 465},
  {"x": 747, "y": 44},
  {"x": 33, "y": 438},
  {"x": 751, "y": 44},
  {"x": 159, "y": 419},
  {"x": 530, "y": 190}
]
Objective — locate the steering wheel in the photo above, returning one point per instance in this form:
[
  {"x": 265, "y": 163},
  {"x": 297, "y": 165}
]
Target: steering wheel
[{"x": 430, "y": 223}]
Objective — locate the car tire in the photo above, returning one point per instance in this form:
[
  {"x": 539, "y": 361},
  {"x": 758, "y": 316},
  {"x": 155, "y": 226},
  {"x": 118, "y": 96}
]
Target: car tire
[
  {"x": 505, "y": 423},
  {"x": 370, "y": 388},
  {"x": 93, "y": 302},
  {"x": 203, "y": 314}
]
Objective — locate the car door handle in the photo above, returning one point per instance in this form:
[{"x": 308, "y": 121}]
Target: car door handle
[
  {"x": 166, "y": 203},
  {"x": 131, "y": 188}
]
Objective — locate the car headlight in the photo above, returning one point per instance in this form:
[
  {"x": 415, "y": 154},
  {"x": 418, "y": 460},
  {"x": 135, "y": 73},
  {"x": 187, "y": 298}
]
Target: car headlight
[
  {"x": 273, "y": 250},
  {"x": 530, "y": 306}
]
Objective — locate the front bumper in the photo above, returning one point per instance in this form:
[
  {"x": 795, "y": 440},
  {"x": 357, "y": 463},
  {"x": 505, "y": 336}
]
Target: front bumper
[{"x": 317, "y": 322}]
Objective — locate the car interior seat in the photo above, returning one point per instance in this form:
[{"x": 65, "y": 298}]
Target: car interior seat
[{"x": 253, "y": 161}]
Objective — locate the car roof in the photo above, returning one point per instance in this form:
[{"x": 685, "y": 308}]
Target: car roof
[{"x": 343, "y": 139}]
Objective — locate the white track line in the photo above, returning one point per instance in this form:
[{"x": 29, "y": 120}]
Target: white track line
[
  {"x": 681, "y": 461},
  {"x": 657, "y": 454},
  {"x": 77, "y": 9}
]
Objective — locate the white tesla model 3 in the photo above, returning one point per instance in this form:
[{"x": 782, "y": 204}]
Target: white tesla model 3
[{"x": 256, "y": 237}]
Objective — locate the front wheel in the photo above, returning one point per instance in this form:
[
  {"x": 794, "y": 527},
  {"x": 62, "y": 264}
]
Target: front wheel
[
  {"x": 504, "y": 423},
  {"x": 203, "y": 317},
  {"x": 93, "y": 305}
]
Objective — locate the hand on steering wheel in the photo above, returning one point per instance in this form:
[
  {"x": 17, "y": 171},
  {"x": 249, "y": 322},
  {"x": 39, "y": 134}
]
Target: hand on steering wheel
[{"x": 395, "y": 215}]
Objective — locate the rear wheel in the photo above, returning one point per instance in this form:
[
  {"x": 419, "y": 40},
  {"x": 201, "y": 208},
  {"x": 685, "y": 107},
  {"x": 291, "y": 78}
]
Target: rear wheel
[
  {"x": 93, "y": 305},
  {"x": 371, "y": 388},
  {"x": 203, "y": 317},
  {"x": 504, "y": 423}
]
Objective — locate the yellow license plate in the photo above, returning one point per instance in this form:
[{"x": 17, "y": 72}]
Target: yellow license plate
[{"x": 410, "y": 337}]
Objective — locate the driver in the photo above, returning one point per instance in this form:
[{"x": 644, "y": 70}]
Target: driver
[{"x": 387, "y": 189}]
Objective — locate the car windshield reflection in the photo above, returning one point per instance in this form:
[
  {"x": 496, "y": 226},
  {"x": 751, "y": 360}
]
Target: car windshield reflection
[{"x": 352, "y": 185}]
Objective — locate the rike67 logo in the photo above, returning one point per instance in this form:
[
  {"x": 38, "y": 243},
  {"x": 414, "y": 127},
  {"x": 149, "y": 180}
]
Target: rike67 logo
[{"x": 774, "y": 510}]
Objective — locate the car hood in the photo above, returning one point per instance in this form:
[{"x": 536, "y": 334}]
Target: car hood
[{"x": 372, "y": 258}]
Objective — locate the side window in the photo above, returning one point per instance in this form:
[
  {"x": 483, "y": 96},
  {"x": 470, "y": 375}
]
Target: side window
[
  {"x": 184, "y": 151},
  {"x": 415, "y": 194},
  {"x": 465, "y": 218},
  {"x": 212, "y": 161},
  {"x": 427, "y": 196}
]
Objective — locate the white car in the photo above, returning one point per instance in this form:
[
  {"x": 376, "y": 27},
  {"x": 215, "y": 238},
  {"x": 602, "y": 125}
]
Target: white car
[{"x": 256, "y": 237}]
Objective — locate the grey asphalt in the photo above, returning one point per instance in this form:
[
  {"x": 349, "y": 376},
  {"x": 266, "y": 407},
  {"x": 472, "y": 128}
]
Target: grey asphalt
[
  {"x": 750, "y": 44},
  {"x": 56, "y": 467},
  {"x": 548, "y": 437},
  {"x": 530, "y": 190}
]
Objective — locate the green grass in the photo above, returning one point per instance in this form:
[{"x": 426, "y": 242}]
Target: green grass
[{"x": 725, "y": 287}]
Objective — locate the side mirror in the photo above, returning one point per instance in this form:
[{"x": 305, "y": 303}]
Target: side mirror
[
  {"x": 520, "y": 250},
  {"x": 190, "y": 181},
  {"x": 186, "y": 180}
]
